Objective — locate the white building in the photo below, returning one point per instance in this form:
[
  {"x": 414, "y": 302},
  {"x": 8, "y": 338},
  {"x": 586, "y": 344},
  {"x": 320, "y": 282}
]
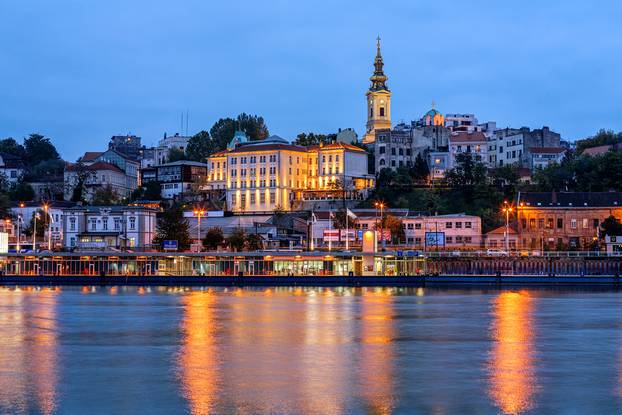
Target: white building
[
  {"x": 474, "y": 143},
  {"x": 105, "y": 227},
  {"x": 11, "y": 167},
  {"x": 165, "y": 145}
]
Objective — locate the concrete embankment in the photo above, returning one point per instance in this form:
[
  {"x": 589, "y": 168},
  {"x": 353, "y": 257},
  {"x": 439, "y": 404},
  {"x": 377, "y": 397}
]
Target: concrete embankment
[{"x": 327, "y": 281}]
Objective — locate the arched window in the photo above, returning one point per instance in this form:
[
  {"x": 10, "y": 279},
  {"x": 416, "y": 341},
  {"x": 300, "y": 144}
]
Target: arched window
[{"x": 382, "y": 163}]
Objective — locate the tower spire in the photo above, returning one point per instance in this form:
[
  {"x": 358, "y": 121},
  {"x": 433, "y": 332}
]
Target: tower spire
[{"x": 378, "y": 79}]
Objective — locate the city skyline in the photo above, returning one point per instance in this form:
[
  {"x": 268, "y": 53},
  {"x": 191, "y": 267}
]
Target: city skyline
[{"x": 302, "y": 67}]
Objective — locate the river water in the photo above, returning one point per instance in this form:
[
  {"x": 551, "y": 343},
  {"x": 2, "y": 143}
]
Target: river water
[{"x": 309, "y": 351}]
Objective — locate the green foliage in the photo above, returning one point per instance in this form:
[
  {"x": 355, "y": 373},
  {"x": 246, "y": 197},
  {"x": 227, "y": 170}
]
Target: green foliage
[
  {"x": 9, "y": 145},
  {"x": 310, "y": 139},
  {"x": 223, "y": 130},
  {"x": 200, "y": 146},
  {"x": 39, "y": 148},
  {"x": 153, "y": 191},
  {"x": 254, "y": 242},
  {"x": 236, "y": 240},
  {"x": 105, "y": 196},
  {"x": 43, "y": 220},
  {"x": 5, "y": 206},
  {"x": 173, "y": 226},
  {"x": 213, "y": 239},
  {"x": 175, "y": 154},
  {"x": 420, "y": 170},
  {"x": 45, "y": 170},
  {"x": 603, "y": 137},
  {"x": 611, "y": 226},
  {"x": 22, "y": 191},
  {"x": 339, "y": 220}
]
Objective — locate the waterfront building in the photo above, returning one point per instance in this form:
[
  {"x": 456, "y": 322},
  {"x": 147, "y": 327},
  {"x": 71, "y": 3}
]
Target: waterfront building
[
  {"x": 496, "y": 239},
  {"x": 564, "y": 220},
  {"x": 263, "y": 175},
  {"x": 106, "y": 227},
  {"x": 180, "y": 177},
  {"x": 421, "y": 232},
  {"x": 11, "y": 167},
  {"x": 378, "y": 100}
]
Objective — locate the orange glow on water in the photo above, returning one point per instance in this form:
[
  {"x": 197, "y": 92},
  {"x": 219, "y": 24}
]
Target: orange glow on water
[
  {"x": 197, "y": 358},
  {"x": 513, "y": 382}
]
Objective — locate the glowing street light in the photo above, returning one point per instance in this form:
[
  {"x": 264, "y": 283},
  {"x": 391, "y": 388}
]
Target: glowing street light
[
  {"x": 507, "y": 209},
  {"x": 198, "y": 213}
]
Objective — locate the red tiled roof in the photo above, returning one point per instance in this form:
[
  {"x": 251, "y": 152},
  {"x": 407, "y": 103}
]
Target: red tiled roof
[
  {"x": 100, "y": 165},
  {"x": 266, "y": 147},
  {"x": 464, "y": 137},
  {"x": 597, "y": 151},
  {"x": 338, "y": 145},
  {"x": 91, "y": 155},
  {"x": 547, "y": 150}
]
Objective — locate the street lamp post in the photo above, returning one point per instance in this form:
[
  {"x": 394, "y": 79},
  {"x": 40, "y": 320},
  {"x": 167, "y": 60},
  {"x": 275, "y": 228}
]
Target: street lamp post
[
  {"x": 198, "y": 213},
  {"x": 381, "y": 206},
  {"x": 34, "y": 232},
  {"x": 507, "y": 209},
  {"x": 20, "y": 217},
  {"x": 49, "y": 218}
]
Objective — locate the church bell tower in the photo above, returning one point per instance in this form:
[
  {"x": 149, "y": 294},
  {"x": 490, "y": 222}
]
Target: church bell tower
[{"x": 378, "y": 100}]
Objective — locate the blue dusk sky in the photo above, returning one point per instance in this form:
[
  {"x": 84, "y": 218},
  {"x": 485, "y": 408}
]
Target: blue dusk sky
[{"x": 81, "y": 71}]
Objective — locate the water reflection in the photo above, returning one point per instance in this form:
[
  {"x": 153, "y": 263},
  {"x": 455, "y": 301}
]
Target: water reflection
[
  {"x": 29, "y": 357},
  {"x": 198, "y": 357},
  {"x": 376, "y": 365},
  {"x": 513, "y": 381}
]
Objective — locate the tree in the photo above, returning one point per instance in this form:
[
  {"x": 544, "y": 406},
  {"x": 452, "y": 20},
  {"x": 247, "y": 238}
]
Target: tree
[
  {"x": 222, "y": 132},
  {"x": 467, "y": 172},
  {"x": 611, "y": 226},
  {"x": 83, "y": 174},
  {"x": 310, "y": 139},
  {"x": 395, "y": 225},
  {"x": 173, "y": 226},
  {"x": 253, "y": 125},
  {"x": 213, "y": 239},
  {"x": 43, "y": 220},
  {"x": 199, "y": 147},
  {"x": 175, "y": 154},
  {"x": 45, "y": 170},
  {"x": 22, "y": 191},
  {"x": 236, "y": 240},
  {"x": 420, "y": 170},
  {"x": 39, "y": 148},
  {"x": 9, "y": 145},
  {"x": 105, "y": 196},
  {"x": 152, "y": 191},
  {"x": 5, "y": 206},
  {"x": 602, "y": 137},
  {"x": 254, "y": 242}
]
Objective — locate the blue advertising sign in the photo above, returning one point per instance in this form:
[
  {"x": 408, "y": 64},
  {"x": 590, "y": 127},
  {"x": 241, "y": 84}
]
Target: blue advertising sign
[
  {"x": 435, "y": 238},
  {"x": 169, "y": 244}
]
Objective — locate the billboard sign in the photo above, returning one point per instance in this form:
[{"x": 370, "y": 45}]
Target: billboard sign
[
  {"x": 435, "y": 238},
  {"x": 169, "y": 245}
]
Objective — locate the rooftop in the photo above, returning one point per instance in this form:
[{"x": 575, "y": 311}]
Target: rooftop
[
  {"x": 464, "y": 137},
  {"x": 570, "y": 199}
]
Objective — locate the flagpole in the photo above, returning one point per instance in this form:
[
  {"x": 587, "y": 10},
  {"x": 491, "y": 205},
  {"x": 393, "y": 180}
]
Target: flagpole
[{"x": 347, "y": 233}]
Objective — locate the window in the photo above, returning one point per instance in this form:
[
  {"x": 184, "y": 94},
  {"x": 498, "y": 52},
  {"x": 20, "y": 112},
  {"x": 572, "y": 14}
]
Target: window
[
  {"x": 585, "y": 223},
  {"x": 243, "y": 200},
  {"x": 448, "y": 225},
  {"x": 417, "y": 226},
  {"x": 382, "y": 150},
  {"x": 117, "y": 224},
  {"x": 573, "y": 224},
  {"x": 382, "y": 111},
  {"x": 105, "y": 223},
  {"x": 532, "y": 223},
  {"x": 540, "y": 223},
  {"x": 262, "y": 198},
  {"x": 252, "y": 198},
  {"x": 560, "y": 223},
  {"x": 596, "y": 223},
  {"x": 458, "y": 225},
  {"x": 132, "y": 223},
  {"x": 549, "y": 223},
  {"x": 272, "y": 198},
  {"x": 410, "y": 226},
  {"x": 417, "y": 241},
  {"x": 93, "y": 224},
  {"x": 468, "y": 224},
  {"x": 449, "y": 240},
  {"x": 393, "y": 151},
  {"x": 72, "y": 224}
]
